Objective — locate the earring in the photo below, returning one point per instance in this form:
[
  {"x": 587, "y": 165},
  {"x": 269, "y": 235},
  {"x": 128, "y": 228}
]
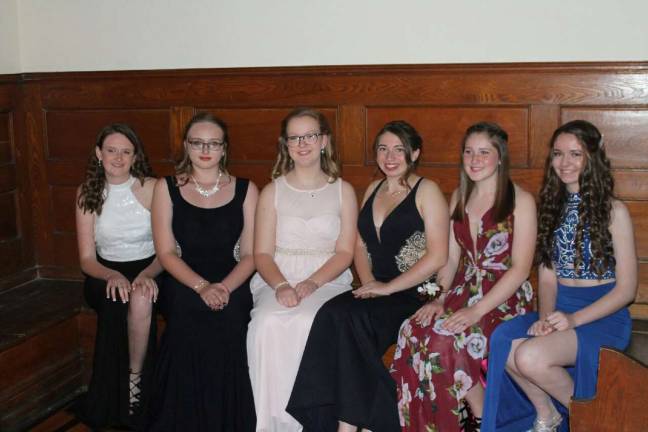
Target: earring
[
  {"x": 99, "y": 162},
  {"x": 322, "y": 150}
]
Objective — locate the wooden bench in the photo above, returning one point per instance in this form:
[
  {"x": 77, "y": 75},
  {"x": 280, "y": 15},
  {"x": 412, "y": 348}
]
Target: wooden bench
[
  {"x": 620, "y": 403},
  {"x": 41, "y": 363}
]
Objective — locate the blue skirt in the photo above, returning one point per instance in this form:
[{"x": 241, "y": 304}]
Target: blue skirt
[{"x": 506, "y": 407}]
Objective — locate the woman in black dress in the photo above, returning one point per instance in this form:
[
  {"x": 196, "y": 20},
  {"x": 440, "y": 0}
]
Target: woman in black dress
[
  {"x": 342, "y": 383},
  {"x": 117, "y": 256},
  {"x": 203, "y": 222}
]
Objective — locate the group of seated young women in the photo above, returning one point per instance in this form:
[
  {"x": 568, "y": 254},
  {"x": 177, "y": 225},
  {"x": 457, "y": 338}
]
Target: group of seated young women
[{"x": 292, "y": 347}]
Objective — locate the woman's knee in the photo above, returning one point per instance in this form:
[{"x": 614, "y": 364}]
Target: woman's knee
[{"x": 528, "y": 359}]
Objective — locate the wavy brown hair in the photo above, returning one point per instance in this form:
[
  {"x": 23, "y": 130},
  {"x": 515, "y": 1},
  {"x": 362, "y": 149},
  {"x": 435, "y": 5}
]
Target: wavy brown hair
[
  {"x": 504, "y": 203},
  {"x": 596, "y": 188},
  {"x": 329, "y": 158},
  {"x": 184, "y": 168},
  {"x": 411, "y": 141},
  {"x": 91, "y": 197}
]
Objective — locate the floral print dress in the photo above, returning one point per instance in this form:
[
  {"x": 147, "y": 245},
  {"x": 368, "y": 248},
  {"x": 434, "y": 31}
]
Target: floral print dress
[{"x": 433, "y": 368}]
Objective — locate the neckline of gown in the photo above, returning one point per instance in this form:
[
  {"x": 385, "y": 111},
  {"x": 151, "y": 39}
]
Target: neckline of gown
[{"x": 378, "y": 230}]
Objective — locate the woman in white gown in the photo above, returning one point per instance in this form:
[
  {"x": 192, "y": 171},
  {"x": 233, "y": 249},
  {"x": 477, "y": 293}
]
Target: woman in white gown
[{"x": 303, "y": 246}]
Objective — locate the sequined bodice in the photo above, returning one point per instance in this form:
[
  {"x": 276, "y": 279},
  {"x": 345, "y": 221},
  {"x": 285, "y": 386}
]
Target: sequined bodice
[
  {"x": 564, "y": 250},
  {"x": 123, "y": 229}
]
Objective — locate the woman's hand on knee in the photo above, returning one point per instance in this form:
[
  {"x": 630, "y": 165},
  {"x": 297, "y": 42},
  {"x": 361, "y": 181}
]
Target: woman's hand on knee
[
  {"x": 561, "y": 321},
  {"x": 287, "y": 296},
  {"x": 147, "y": 287},
  {"x": 428, "y": 312},
  {"x": 461, "y": 320},
  {"x": 117, "y": 285}
]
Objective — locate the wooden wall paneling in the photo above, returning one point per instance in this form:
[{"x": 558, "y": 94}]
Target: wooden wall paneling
[
  {"x": 34, "y": 146},
  {"x": 443, "y": 128},
  {"x": 16, "y": 246},
  {"x": 180, "y": 116},
  {"x": 543, "y": 120},
  {"x": 631, "y": 184},
  {"x": 352, "y": 139},
  {"x": 71, "y": 134},
  {"x": 510, "y": 84},
  {"x": 625, "y": 132}
]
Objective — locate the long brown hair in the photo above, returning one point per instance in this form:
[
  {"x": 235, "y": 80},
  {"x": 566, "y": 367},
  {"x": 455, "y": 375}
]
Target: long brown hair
[
  {"x": 504, "y": 203},
  {"x": 596, "y": 188},
  {"x": 91, "y": 197},
  {"x": 411, "y": 141},
  {"x": 184, "y": 168},
  {"x": 329, "y": 158}
]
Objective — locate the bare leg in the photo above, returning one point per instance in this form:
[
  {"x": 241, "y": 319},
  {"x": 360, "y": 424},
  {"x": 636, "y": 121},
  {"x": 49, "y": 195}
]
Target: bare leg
[
  {"x": 540, "y": 400},
  {"x": 139, "y": 326},
  {"x": 475, "y": 397},
  {"x": 537, "y": 366},
  {"x": 542, "y": 360}
]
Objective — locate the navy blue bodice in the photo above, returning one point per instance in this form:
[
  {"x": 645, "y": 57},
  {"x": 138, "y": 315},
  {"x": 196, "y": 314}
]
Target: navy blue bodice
[{"x": 564, "y": 250}]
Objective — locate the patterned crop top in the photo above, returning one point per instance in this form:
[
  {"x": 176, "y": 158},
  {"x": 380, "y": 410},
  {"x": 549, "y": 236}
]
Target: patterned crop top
[{"x": 564, "y": 251}]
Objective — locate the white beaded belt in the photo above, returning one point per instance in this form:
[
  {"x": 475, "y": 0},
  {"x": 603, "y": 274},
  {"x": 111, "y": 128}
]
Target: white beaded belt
[{"x": 289, "y": 251}]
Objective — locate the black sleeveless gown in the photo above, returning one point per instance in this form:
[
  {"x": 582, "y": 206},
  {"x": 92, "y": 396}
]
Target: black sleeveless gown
[
  {"x": 201, "y": 380},
  {"x": 341, "y": 375}
]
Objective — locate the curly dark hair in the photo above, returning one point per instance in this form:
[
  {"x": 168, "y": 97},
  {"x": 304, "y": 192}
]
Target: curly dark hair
[
  {"x": 596, "y": 188},
  {"x": 184, "y": 168},
  {"x": 91, "y": 197},
  {"x": 505, "y": 195}
]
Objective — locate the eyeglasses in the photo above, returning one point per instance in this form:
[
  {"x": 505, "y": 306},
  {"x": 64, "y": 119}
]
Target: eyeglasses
[
  {"x": 310, "y": 139},
  {"x": 200, "y": 145}
]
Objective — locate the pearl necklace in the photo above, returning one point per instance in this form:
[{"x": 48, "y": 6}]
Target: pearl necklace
[{"x": 208, "y": 192}]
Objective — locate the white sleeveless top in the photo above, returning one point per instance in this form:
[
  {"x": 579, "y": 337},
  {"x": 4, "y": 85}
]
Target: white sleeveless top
[{"x": 123, "y": 229}]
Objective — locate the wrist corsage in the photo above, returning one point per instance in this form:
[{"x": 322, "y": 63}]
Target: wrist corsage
[{"x": 429, "y": 290}]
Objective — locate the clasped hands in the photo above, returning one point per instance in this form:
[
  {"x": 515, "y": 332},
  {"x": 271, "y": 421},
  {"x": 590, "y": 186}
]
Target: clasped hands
[
  {"x": 290, "y": 296},
  {"x": 215, "y": 295},
  {"x": 118, "y": 286}
]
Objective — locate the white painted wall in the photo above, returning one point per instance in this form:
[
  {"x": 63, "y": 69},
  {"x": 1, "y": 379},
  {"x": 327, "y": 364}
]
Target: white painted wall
[
  {"x": 9, "y": 44},
  {"x": 67, "y": 35}
]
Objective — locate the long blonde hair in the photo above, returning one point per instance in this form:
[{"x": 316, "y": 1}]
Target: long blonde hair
[{"x": 329, "y": 158}]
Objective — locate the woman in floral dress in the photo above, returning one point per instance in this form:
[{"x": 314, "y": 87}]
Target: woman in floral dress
[{"x": 440, "y": 349}]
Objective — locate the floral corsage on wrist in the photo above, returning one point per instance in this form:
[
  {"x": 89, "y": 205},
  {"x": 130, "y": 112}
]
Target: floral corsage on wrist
[{"x": 429, "y": 290}]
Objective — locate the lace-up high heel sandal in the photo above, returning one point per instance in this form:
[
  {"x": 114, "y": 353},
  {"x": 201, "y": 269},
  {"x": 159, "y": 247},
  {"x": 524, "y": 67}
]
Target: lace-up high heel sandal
[{"x": 134, "y": 393}]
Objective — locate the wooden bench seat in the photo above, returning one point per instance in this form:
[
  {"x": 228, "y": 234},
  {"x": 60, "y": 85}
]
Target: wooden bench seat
[{"x": 40, "y": 358}]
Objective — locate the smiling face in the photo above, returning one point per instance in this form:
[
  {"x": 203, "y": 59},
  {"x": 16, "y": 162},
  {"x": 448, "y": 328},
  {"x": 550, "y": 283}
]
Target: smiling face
[
  {"x": 299, "y": 131},
  {"x": 202, "y": 145},
  {"x": 117, "y": 155},
  {"x": 480, "y": 158},
  {"x": 391, "y": 155},
  {"x": 568, "y": 160}
]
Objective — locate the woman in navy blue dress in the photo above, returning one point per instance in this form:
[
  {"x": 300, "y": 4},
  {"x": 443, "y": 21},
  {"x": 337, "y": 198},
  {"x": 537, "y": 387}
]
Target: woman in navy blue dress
[{"x": 587, "y": 276}]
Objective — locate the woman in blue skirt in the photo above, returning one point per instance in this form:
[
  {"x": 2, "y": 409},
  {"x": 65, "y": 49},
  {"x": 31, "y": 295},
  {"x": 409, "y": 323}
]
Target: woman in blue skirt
[{"x": 587, "y": 276}]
